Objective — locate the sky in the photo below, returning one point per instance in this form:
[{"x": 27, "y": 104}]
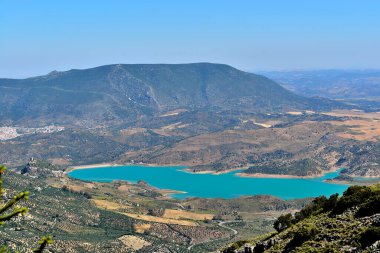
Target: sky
[{"x": 39, "y": 36}]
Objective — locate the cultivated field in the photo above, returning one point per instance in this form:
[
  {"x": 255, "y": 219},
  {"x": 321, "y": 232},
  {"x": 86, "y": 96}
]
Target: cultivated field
[
  {"x": 180, "y": 214},
  {"x": 361, "y": 126},
  {"x": 160, "y": 219}
]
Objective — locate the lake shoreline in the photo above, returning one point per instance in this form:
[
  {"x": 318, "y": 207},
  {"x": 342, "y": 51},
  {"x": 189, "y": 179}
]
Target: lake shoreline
[
  {"x": 265, "y": 175},
  {"x": 176, "y": 183},
  {"x": 90, "y": 166},
  {"x": 188, "y": 170},
  {"x": 165, "y": 192},
  {"x": 101, "y": 165}
]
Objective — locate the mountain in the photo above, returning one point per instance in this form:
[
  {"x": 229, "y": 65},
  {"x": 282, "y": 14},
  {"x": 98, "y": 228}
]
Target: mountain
[
  {"x": 119, "y": 93},
  {"x": 340, "y": 84}
]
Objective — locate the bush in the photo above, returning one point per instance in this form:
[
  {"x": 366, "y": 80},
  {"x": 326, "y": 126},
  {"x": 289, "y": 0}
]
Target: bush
[
  {"x": 234, "y": 246},
  {"x": 354, "y": 195},
  {"x": 318, "y": 204},
  {"x": 304, "y": 233},
  {"x": 158, "y": 212},
  {"x": 86, "y": 194},
  {"x": 331, "y": 203},
  {"x": 305, "y": 212},
  {"x": 369, "y": 237},
  {"x": 217, "y": 217},
  {"x": 369, "y": 208},
  {"x": 283, "y": 222}
]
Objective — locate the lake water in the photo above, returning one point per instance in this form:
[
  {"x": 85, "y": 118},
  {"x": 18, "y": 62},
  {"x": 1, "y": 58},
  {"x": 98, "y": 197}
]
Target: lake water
[{"x": 213, "y": 186}]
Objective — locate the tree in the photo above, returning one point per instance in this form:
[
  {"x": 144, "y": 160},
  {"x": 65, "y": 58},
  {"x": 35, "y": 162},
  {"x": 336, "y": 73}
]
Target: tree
[
  {"x": 6, "y": 213},
  {"x": 331, "y": 203},
  {"x": 353, "y": 196},
  {"x": 318, "y": 205},
  {"x": 283, "y": 222}
]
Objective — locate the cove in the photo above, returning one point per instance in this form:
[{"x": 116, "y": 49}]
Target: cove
[{"x": 226, "y": 185}]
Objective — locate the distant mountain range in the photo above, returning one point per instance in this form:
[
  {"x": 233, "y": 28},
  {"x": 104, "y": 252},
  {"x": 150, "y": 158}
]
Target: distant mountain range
[
  {"x": 117, "y": 93},
  {"x": 341, "y": 84}
]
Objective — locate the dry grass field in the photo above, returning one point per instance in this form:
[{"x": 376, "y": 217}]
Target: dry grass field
[
  {"x": 173, "y": 113},
  {"x": 160, "y": 219},
  {"x": 109, "y": 205},
  {"x": 141, "y": 227},
  {"x": 168, "y": 130},
  {"x": 132, "y": 131},
  {"x": 133, "y": 242},
  {"x": 81, "y": 186},
  {"x": 294, "y": 113},
  {"x": 180, "y": 214},
  {"x": 354, "y": 113},
  {"x": 362, "y": 126},
  {"x": 362, "y": 130},
  {"x": 60, "y": 161}
]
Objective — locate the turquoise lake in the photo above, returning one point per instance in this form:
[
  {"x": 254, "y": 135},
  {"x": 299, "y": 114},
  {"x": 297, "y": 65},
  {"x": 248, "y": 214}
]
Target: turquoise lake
[{"x": 212, "y": 186}]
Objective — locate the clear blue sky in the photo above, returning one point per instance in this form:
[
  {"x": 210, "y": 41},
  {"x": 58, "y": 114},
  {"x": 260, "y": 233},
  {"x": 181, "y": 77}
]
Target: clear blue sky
[{"x": 38, "y": 36}]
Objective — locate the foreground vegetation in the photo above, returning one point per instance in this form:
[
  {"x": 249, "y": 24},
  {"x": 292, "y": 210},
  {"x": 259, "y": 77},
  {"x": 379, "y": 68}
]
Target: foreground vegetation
[
  {"x": 7, "y": 214},
  {"x": 337, "y": 224}
]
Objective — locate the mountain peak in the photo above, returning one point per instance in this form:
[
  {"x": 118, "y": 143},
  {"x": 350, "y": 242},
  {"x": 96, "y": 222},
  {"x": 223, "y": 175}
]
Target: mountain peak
[{"x": 126, "y": 91}]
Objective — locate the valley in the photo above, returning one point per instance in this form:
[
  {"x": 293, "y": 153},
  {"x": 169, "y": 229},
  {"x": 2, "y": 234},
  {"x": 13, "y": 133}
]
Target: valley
[
  {"x": 294, "y": 145},
  {"x": 251, "y": 151},
  {"x": 122, "y": 212},
  {"x": 211, "y": 126}
]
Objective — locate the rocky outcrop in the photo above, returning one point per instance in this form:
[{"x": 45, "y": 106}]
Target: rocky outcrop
[
  {"x": 39, "y": 168},
  {"x": 30, "y": 167}
]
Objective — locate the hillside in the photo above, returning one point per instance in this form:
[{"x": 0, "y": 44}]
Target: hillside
[
  {"x": 207, "y": 141},
  {"x": 205, "y": 116},
  {"x": 361, "y": 87},
  {"x": 124, "y": 217},
  {"x": 120, "y": 93},
  {"x": 346, "y": 224}
]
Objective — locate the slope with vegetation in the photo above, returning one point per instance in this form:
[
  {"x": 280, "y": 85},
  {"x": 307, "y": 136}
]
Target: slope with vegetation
[
  {"x": 7, "y": 214},
  {"x": 125, "y": 217},
  {"x": 120, "y": 93},
  {"x": 350, "y": 223},
  {"x": 211, "y": 117}
]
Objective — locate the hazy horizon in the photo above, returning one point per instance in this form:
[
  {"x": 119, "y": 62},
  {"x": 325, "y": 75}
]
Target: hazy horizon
[
  {"x": 42, "y": 36},
  {"x": 246, "y": 70}
]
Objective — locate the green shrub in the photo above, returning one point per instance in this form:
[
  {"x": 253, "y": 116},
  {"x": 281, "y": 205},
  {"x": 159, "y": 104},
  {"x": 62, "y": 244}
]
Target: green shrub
[
  {"x": 354, "y": 195},
  {"x": 234, "y": 246},
  {"x": 304, "y": 233},
  {"x": 369, "y": 208},
  {"x": 318, "y": 205},
  {"x": 370, "y": 236},
  {"x": 331, "y": 203},
  {"x": 283, "y": 222}
]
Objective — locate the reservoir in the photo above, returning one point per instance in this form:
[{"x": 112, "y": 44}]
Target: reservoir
[{"x": 227, "y": 185}]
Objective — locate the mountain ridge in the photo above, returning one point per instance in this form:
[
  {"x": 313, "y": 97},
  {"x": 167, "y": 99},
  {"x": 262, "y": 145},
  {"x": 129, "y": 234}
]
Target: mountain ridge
[{"x": 120, "y": 92}]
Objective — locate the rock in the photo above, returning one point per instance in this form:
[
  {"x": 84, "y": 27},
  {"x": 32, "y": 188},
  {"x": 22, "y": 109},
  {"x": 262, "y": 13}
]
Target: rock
[
  {"x": 260, "y": 247},
  {"x": 248, "y": 249},
  {"x": 375, "y": 246},
  {"x": 348, "y": 249}
]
